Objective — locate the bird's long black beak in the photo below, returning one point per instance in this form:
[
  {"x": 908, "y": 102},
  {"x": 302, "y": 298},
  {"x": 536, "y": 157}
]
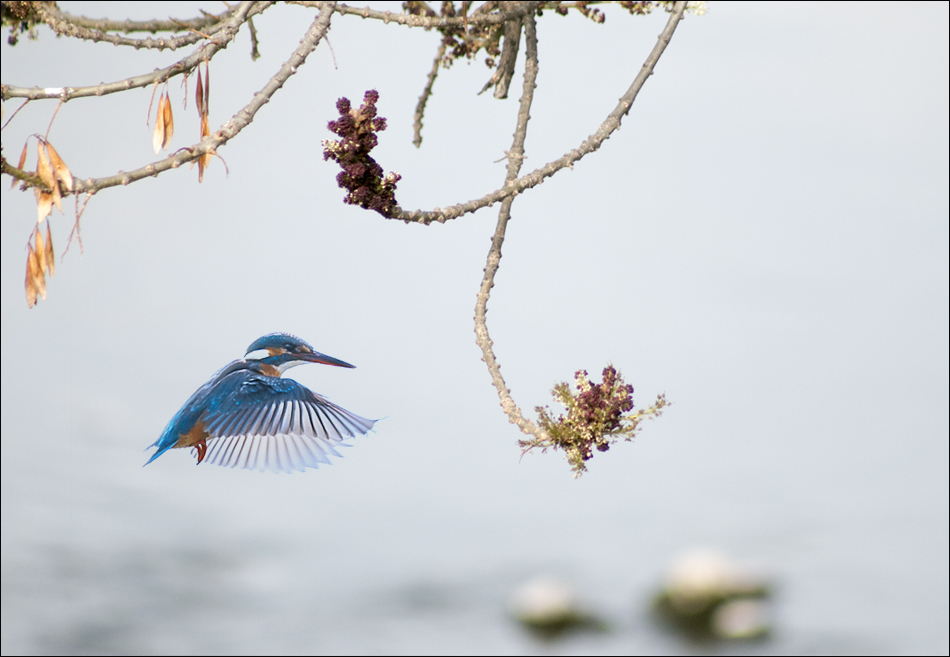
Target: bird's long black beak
[{"x": 317, "y": 357}]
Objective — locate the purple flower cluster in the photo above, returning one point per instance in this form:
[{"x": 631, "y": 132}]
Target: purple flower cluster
[
  {"x": 362, "y": 177},
  {"x": 598, "y": 414},
  {"x": 603, "y": 405}
]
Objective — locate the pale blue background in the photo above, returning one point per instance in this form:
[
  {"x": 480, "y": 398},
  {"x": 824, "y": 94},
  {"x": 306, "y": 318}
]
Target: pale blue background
[{"x": 765, "y": 240}]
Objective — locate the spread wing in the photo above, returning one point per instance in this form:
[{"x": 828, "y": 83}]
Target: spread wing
[{"x": 268, "y": 423}]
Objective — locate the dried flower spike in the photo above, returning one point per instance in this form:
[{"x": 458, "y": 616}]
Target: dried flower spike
[{"x": 361, "y": 175}]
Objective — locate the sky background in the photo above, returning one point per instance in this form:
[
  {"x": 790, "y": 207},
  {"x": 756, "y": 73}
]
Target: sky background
[{"x": 765, "y": 241}]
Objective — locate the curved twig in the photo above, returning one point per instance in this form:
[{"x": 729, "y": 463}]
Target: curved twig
[
  {"x": 589, "y": 145},
  {"x": 226, "y": 132},
  {"x": 228, "y": 30},
  {"x": 515, "y": 158},
  {"x": 424, "y": 98}
]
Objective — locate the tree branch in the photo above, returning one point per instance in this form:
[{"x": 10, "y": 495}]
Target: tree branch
[
  {"x": 589, "y": 145},
  {"x": 515, "y": 158},
  {"x": 155, "y": 25},
  {"x": 229, "y": 29},
  {"x": 505, "y": 71}
]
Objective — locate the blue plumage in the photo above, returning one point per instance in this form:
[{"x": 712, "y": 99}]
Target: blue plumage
[{"x": 247, "y": 416}]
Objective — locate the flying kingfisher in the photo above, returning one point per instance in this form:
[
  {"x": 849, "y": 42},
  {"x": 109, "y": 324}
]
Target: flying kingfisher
[{"x": 247, "y": 416}]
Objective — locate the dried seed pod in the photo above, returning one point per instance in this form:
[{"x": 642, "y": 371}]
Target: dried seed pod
[
  {"x": 40, "y": 251},
  {"x": 50, "y": 257},
  {"x": 200, "y": 95},
  {"x": 169, "y": 123},
  {"x": 43, "y": 169},
  {"x": 21, "y": 162},
  {"x": 44, "y": 204},
  {"x": 158, "y": 134},
  {"x": 30, "y": 282},
  {"x": 59, "y": 167}
]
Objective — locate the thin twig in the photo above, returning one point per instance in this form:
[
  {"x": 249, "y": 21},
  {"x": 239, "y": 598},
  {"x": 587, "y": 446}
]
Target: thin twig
[
  {"x": 194, "y": 31},
  {"x": 332, "y": 53},
  {"x": 51, "y": 119},
  {"x": 7, "y": 122},
  {"x": 589, "y": 145},
  {"x": 424, "y": 98},
  {"x": 75, "y": 231},
  {"x": 515, "y": 157}
]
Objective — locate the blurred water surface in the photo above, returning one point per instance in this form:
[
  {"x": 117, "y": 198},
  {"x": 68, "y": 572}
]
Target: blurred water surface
[{"x": 787, "y": 289}]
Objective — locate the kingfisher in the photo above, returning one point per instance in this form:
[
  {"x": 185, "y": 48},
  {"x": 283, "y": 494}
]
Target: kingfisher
[{"x": 247, "y": 416}]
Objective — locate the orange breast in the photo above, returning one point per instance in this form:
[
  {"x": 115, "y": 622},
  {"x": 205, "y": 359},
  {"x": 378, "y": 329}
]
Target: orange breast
[{"x": 196, "y": 435}]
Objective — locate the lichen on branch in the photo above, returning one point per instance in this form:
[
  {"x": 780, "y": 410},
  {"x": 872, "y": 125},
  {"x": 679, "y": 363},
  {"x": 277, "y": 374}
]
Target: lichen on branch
[
  {"x": 361, "y": 175},
  {"x": 598, "y": 414}
]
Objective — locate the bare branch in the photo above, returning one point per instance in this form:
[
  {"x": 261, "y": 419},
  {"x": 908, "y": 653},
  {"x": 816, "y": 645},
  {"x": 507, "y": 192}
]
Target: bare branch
[
  {"x": 153, "y": 26},
  {"x": 477, "y": 19},
  {"x": 226, "y": 132},
  {"x": 424, "y": 98},
  {"x": 509, "y": 55},
  {"x": 515, "y": 157},
  {"x": 589, "y": 145},
  {"x": 228, "y": 30},
  {"x": 84, "y": 28}
]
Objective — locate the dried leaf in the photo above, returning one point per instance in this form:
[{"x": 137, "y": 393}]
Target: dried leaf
[
  {"x": 59, "y": 167},
  {"x": 200, "y": 95},
  {"x": 43, "y": 169},
  {"x": 44, "y": 204},
  {"x": 40, "y": 250},
  {"x": 30, "y": 282},
  {"x": 50, "y": 257},
  {"x": 169, "y": 123},
  {"x": 21, "y": 162},
  {"x": 158, "y": 135}
]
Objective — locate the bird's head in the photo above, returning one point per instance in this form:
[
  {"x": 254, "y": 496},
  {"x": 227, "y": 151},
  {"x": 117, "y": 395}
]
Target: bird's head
[{"x": 285, "y": 351}]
